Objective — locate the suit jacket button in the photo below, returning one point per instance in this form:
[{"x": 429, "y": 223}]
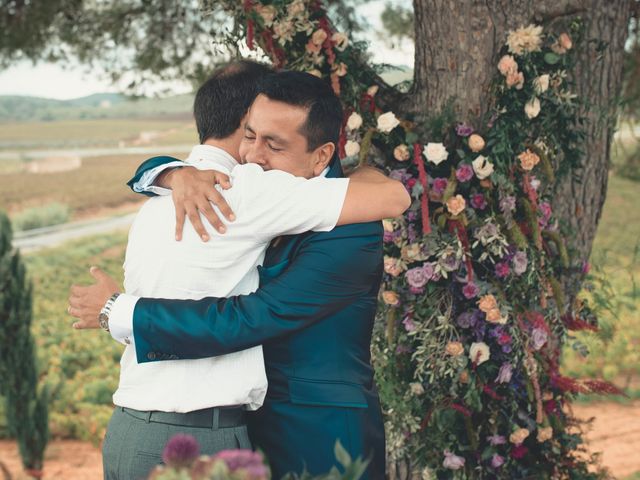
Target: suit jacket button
[{"x": 151, "y": 355}]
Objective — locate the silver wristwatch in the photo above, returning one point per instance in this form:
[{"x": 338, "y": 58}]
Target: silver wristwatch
[{"x": 103, "y": 318}]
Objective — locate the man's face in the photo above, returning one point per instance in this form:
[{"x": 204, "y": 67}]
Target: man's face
[{"x": 272, "y": 139}]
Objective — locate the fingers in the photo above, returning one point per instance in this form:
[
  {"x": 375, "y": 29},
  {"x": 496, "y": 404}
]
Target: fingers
[
  {"x": 97, "y": 274},
  {"x": 222, "y": 180},
  {"x": 219, "y": 201},
  {"x": 180, "y": 216},
  {"x": 194, "y": 218},
  {"x": 212, "y": 217}
]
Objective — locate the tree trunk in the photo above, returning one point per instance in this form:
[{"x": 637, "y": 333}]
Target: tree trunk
[{"x": 457, "y": 49}]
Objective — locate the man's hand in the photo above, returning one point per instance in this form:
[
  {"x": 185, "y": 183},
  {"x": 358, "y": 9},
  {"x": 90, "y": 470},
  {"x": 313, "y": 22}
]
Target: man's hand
[
  {"x": 85, "y": 303},
  {"x": 193, "y": 192}
]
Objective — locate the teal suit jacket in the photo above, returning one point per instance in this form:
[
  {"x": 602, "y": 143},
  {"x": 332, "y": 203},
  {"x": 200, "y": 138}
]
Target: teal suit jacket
[{"x": 314, "y": 315}]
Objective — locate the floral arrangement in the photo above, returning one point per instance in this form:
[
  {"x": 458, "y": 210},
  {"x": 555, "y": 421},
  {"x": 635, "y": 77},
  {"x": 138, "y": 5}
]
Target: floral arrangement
[
  {"x": 473, "y": 312},
  {"x": 182, "y": 461}
]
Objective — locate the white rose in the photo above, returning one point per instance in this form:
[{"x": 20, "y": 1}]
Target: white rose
[
  {"x": 387, "y": 122},
  {"x": 435, "y": 153},
  {"x": 541, "y": 83},
  {"x": 479, "y": 352},
  {"x": 532, "y": 108},
  {"x": 351, "y": 148},
  {"x": 354, "y": 122},
  {"x": 482, "y": 167}
]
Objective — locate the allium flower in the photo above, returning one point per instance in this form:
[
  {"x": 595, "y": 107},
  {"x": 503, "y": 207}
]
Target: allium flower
[
  {"x": 532, "y": 108},
  {"x": 456, "y": 205},
  {"x": 504, "y": 375},
  {"x": 497, "y": 440},
  {"x": 502, "y": 269},
  {"x": 497, "y": 461},
  {"x": 470, "y": 290},
  {"x": 464, "y": 173},
  {"x": 519, "y": 436},
  {"x": 181, "y": 450},
  {"x": 439, "y": 185},
  {"x": 463, "y": 130},
  {"x": 354, "y": 121},
  {"x": 525, "y": 39},
  {"x": 416, "y": 277},
  {"x": 244, "y": 461},
  {"x": 476, "y": 143},
  {"x": 387, "y": 122},
  {"x": 519, "y": 262},
  {"x": 351, "y": 148},
  {"x": 482, "y": 166},
  {"x": 452, "y": 462},
  {"x": 401, "y": 153},
  {"x": 539, "y": 337},
  {"x": 479, "y": 352},
  {"x": 478, "y": 201},
  {"x": 435, "y": 152}
]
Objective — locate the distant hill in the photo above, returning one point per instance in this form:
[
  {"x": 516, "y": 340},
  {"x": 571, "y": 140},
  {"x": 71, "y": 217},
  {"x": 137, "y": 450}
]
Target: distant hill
[{"x": 99, "y": 105}]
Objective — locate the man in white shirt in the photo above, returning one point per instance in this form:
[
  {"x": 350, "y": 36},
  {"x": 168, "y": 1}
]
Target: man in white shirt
[{"x": 206, "y": 397}]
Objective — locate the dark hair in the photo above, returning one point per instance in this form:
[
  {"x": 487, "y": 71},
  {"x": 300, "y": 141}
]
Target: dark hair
[
  {"x": 324, "y": 117},
  {"x": 223, "y": 100}
]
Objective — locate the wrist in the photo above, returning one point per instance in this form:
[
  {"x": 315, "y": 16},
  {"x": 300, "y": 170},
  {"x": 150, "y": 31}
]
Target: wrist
[
  {"x": 165, "y": 179},
  {"x": 105, "y": 313}
]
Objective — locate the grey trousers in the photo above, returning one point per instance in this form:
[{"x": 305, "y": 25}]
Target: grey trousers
[{"x": 133, "y": 447}]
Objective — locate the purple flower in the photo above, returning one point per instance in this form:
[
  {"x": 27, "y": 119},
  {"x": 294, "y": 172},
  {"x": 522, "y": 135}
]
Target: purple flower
[
  {"x": 508, "y": 204},
  {"x": 497, "y": 440},
  {"x": 244, "y": 461},
  {"x": 538, "y": 338},
  {"x": 504, "y": 375},
  {"x": 416, "y": 290},
  {"x": 412, "y": 235},
  {"x": 412, "y": 216},
  {"x": 502, "y": 269},
  {"x": 180, "y": 451},
  {"x": 439, "y": 185},
  {"x": 465, "y": 320},
  {"x": 519, "y": 262},
  {"x": 586, "y": 267},
  {"x": 470, "y": 290},
  {"x": 478, "y": 201},
  {"x": 400, "y": 349},
  {"x": 429, "y": 271},
  {"x": 409, "y": 326},
  {"x": 451, "y": 461},
  {"x": 497, "y": 461},
  {"x": 463, "y": 130},
  {"x": 545, "y": 211},
  {"x": 417, "y": 277},
  {"x": 464, "y": 173}
]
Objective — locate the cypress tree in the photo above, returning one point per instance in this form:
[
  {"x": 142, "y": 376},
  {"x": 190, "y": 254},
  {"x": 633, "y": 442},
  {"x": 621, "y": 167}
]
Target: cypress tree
[{"x": 26, "y": 408}]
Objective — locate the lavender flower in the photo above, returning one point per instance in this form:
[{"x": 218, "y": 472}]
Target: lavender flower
[
  {"x": 538, "y": 338},
  {"x": 505, "y": 373},
  {"x": 464, "y": 130},
  {"x": 412, "y": 216},
  {"x": 497, "y": 440},
  {"x": 246, "y": 462},
  {"x": 497, "y": 461},
  {"x": 519, "y": 262},
  {"x": 180, "y": 451},
  {"x": 464, "y": 173},
  {"x": 465, "y": 320}
]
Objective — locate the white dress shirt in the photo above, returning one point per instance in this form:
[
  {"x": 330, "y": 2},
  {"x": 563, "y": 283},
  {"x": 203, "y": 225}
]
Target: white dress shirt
[{"x": 266, "y": 205}]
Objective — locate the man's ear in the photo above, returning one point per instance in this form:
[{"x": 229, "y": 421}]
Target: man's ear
[{"x": 323, "y": 155}]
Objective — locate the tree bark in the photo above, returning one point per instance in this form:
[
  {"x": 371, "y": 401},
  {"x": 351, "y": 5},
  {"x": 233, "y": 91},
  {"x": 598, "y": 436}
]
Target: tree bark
[{"x": 457, "y": 48}]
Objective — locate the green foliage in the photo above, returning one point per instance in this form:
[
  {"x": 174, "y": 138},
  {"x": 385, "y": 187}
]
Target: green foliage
[
  {"x": 25, "y": 406},
  {"x": 397, "y": 20},
  {"x": 36, "y": 217}
]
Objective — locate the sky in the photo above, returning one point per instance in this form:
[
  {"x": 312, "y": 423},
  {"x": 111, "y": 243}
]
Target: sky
[{"x": 55, "y": 81}]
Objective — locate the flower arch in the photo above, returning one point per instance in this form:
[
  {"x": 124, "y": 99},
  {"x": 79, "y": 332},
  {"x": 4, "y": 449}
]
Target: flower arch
[{"x": 473, "y": 314}]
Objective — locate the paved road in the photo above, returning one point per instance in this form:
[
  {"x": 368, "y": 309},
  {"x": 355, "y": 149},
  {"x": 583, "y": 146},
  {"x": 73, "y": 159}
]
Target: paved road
[{"x": 37, "y": 239}]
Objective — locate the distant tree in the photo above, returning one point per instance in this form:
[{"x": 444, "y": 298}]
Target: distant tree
[{"x": 25, "y": 407}]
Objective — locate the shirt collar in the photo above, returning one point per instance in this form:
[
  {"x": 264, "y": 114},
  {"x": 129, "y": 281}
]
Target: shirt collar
[{"x": 208, "y": 157}]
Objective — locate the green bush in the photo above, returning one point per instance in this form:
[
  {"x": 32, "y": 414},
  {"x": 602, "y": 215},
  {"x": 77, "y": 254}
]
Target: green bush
[{"x": 52, "y": 214}]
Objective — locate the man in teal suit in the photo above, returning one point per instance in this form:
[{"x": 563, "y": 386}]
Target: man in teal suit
[{"x": 313, "y": 314}]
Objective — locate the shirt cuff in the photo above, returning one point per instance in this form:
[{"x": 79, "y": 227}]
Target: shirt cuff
[
  {"x": 145, "y": 184},
  {"x": 121, "y": 318}
]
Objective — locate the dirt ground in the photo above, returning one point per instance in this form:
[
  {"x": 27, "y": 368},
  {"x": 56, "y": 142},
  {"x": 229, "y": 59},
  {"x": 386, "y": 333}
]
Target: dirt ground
[{"x": 615, "y": 433}]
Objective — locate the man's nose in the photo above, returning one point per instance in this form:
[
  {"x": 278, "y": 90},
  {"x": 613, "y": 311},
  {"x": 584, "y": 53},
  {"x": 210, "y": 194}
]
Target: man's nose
[{"x": 255, "y": 154}]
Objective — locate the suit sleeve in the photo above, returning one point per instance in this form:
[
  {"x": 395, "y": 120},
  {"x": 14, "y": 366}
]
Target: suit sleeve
[
  {"x": 328, "y": 272},
  {"x": 147, "y": 166}
]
